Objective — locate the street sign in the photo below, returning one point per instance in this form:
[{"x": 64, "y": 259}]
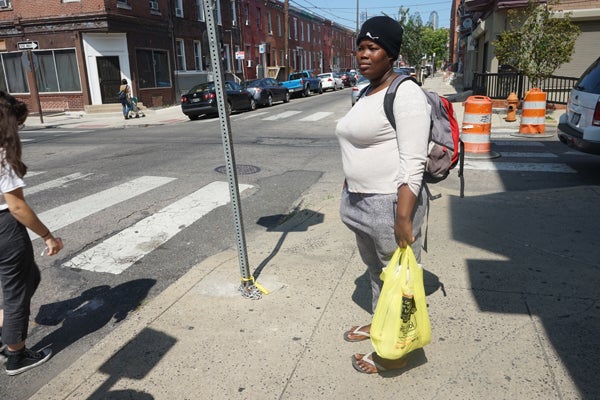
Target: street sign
[{"x": 29, "y": 45}]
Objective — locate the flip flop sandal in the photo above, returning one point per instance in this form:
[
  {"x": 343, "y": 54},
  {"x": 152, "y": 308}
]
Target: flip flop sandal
[
  {"x": 356, "y": 332},
  {"x": 368, "y": 358}
]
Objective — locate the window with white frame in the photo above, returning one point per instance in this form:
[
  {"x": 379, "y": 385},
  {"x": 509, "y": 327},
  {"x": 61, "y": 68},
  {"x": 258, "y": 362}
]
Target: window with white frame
[
  {"x": 246, "y": 15},
  {"x": 179, "y": 8},
  {"x": 308, "y": 33},
  {"x": 199, "y": 10},
  {"x": 219, "y": 20},
  {"x": 180, "y": 55},
  {"x": 269, "y": 23},
  {"x": 239, "y": 63},
  {"x": 57, "y": 71},
  {"x": 227, "y": 61},
  {"x": 154, "y": 5},
  {"x": 233, "y": 13},
  {"x": 296, "y": 28},
  {"x": 279, "y": 25},
  {"x": 198, "y": 56}
]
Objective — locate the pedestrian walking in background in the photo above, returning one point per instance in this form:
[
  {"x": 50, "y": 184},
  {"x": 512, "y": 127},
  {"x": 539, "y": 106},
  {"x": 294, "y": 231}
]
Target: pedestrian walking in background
[
  {"x": 125, "y": 97},
  {"x": 19, "y": 274},
  {"x": 384, "y": 200}
]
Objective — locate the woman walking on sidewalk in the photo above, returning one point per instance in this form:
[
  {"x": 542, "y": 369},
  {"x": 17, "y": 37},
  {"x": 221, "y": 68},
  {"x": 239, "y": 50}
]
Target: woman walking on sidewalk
[
  {"x": 125, "y": 98},
  {"x": 383, "y": 200},
  {"x": 19, "y": 274}
]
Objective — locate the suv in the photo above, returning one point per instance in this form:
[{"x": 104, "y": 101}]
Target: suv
[{"x": 579, "y": 127}]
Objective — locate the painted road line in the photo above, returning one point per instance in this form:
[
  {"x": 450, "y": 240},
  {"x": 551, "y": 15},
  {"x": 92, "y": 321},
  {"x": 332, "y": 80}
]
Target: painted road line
[
  {"x": 527, "y": 154},
  {"x": 27, "y": 140},
  {"x": 66, "y": 214},
  {"x": 518, "y": 167},
  {"x": 251, "y": 115},
  {"x": 120, "y": 251},
  {"x": 316, "y": 116},
  {"x": 34, "y": 173},
  {"x": 283, "y": 115},
  {"x": 55, "y": 183}
]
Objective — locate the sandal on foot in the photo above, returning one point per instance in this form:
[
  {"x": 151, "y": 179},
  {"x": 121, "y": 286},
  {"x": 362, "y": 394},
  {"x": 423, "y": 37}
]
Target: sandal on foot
[
  {"x": 362, "y": 335},
  {"x": 368, "y": 358}
]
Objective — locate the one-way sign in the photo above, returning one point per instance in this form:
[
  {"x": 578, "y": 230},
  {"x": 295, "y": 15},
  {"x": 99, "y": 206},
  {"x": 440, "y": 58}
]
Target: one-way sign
[{"x": 30, "y": 45}]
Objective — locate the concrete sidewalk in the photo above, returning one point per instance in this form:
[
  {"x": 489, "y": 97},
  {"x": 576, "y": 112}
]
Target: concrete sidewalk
[{"x": 507, "y": 320}]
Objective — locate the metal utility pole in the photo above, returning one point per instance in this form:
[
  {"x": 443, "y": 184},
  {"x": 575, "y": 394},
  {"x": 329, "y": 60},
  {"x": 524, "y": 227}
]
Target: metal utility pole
[
  {"x": 357, "y": 16},
  {"x": 248, "y": 287}
]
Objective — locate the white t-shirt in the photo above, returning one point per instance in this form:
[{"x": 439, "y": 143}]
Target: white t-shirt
[
  {"x": 377, "y": 159},
  {"x": 9, "y": 180}
]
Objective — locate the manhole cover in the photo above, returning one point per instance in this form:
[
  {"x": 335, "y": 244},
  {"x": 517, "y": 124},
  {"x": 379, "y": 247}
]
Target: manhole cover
[{"x": 240, "y": 169}]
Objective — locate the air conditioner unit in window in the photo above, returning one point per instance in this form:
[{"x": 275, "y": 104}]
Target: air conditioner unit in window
[
  {"x": 153, "y": 5},
  {"x": 4, "y": 4},
  {"x": 178, "y": 12}
]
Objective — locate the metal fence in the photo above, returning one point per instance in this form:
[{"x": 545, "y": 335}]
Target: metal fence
[{"x": 500, "y": 85}]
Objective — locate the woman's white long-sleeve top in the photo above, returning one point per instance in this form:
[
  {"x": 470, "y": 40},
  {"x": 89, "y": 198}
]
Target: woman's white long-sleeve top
[{"x": 377, "y": 159}]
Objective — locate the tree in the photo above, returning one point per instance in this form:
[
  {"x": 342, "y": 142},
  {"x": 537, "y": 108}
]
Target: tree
[
  {"x": 412, "y": 44},
  {"x": 537, "y": 42},
  {"x": 435, "y": 44}
]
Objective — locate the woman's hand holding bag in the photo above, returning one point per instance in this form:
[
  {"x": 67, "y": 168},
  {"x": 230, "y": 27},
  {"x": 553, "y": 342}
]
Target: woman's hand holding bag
[{"x": 401, "y": 323}]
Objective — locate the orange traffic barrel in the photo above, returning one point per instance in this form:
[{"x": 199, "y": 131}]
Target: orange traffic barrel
[
  {"x": 477, "y": 125},
  {"x": 533, "y": 115}
]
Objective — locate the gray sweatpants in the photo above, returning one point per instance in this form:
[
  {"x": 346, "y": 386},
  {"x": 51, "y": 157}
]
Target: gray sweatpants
[
  {"x": 19, "y": 275},
  {"x": 371, "y": 217}
]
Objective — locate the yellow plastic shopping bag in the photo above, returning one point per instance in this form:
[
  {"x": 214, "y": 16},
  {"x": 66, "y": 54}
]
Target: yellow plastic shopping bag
[{"x": 401, "y": 323}]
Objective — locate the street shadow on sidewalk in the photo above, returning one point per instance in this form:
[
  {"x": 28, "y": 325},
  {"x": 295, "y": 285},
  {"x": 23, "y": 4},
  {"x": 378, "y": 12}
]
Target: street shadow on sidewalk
[
  {"x": 134, "y": 361},
  {"x": 547, "y": 268},
  {"x": 298, "y": 220},
  {"x": 90, "y": 311}
]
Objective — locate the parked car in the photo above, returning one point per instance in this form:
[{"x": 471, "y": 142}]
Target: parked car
[
  {"x": 349, "y": 77},
  {"x": 361, "y": 83},
  {"x": 266, "y": 91},
  {"x": 402, "y": 70},
  {"x": 304, "y": 83},
  {"x": 202, "y": 99},
  {"x": 579, "y": 127},
  {"x": 331, "y": 80},
  {"x": 412, "y": 71}
]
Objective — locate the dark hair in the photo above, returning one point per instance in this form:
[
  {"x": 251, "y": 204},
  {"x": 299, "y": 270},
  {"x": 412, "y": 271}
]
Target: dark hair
[
  {"x": 124, "y": 81},
  {"x": 12, "y": 114}
]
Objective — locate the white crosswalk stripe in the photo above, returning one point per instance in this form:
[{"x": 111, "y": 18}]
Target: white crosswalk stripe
[
  {"x": 119, "y": 252},
  {"x": 518, "y": 166},
  {"x": 69, "y": 213},
  {"x": 316, "y": 116},
  {"x": 55, "y": 183},
  {"x": 283, "y": 115}
]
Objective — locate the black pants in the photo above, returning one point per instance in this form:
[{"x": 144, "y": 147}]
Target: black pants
[{"x": 19, "y": 275}]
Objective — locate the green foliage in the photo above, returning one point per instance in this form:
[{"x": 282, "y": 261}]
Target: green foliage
[
  {"x": 536, "y": 43},
  {"x": 421, "y": 40}
]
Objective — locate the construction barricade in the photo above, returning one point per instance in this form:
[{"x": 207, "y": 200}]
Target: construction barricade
[
  {"x": 477, "y": 127},
  {"x": 533, "y": 113}
]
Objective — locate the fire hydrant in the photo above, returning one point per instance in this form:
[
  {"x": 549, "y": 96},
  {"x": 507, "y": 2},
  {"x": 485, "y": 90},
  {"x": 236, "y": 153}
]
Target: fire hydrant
[{"x": 511, "y": 111}]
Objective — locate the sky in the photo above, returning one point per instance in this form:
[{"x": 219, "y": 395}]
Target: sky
[{"x": 344, "y": 11}]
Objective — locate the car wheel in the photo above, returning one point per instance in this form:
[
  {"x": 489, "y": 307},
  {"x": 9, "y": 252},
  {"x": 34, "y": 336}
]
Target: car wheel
[
  {"x": 252, "y": 104},
  {"x": 286, "y": 98},
  {"x": 306, "y": 91},
  {"x": 193, "y": 117},
  {"x": 269, "y": 101},
  {"x": 320, "y": 90},
  {"x": 228, "y": 108}
]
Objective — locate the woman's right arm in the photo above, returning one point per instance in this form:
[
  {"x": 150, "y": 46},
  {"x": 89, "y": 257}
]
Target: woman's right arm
[{"x": 19, "y": 209}]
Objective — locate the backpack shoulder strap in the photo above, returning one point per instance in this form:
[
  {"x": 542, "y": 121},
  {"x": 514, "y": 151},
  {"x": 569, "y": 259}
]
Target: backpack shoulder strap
[{"x": 390, "y": 95}]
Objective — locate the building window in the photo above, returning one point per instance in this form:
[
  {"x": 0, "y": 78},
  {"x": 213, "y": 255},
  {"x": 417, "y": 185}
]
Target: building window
[
  {"x": 296, "y": 28},
  {"x": 258, "y": 22},
  {"x": 279, "y": 25},
  {"x": 180, "y": 55},
  {"x": 238, "y": 62},
  {"x": 199, "y": 10},
  {"x": 179, "y": 8},
  {"x": 246, "y": 16},
  {"x": 12, "y": 74},
  {"x": 198, "y": 56},
  {"x": 153, "y": 68},
  {"x": 120, "y": 3},
  {"x": 154, "y": 5},
  {"x": 308, "y": 33},
  {"x": 227, "y": 57},
  {"x": 219, "y": 20},
  {"x": 269, "y": 23},
  {"x": 301, "y": 31},
  {"x": 233, "y": 13}
]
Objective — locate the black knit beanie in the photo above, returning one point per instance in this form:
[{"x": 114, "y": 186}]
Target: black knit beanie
[{"x": 384, "y": 31}]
